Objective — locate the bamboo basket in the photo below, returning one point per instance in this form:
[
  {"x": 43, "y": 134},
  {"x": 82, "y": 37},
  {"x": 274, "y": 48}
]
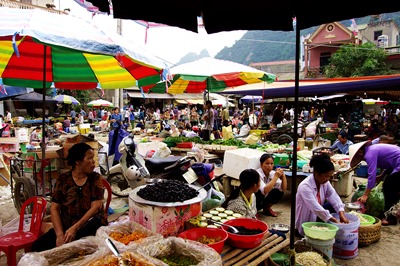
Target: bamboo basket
[
  {"x": 369, "y": 234},
  {"x": 299, "y": 248}
]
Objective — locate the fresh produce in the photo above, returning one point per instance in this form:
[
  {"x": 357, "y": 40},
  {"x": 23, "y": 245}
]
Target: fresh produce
[{"x": 376, "y": 201}]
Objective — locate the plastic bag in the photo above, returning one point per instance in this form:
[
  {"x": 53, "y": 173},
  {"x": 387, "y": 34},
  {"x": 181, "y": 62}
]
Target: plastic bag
[
  {"x": 127, "y": 227},
  {"x": 214, "y": 199},
  {"x": 206, "y": 256},
  {"x": 358, "y": 193},
  {"x": 253, "y": 138},
  {"x": 227, "y": 133},
  {"x": 78, "y": 252},
  {"x": 162, "y": 151},
  {"x": 376, "y": 201}
]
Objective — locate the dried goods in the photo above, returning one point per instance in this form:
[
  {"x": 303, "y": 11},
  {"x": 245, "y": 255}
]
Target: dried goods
[
  {"x": 178, "y": 260},
  {"x": 168, "y": 191}
]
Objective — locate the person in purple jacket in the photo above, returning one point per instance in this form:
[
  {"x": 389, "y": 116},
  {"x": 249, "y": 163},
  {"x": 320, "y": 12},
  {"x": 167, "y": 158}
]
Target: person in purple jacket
[
  {"x": 316, "y": 199},
  {"x": 387, "y": 158}
]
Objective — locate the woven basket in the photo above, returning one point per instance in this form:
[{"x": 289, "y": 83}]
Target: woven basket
[
  {"x": 300, "y": 247},
  {"x": 368, "y": 234}
]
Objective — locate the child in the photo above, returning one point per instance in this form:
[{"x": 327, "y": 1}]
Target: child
[{"x": 243, "y": 200}]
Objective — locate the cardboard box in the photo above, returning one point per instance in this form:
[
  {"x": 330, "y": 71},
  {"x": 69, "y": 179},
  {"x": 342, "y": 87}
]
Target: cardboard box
[
  {"x": 167, "y": 221},
  {"x": 70, "y": 141},
  {"x": 9, "y": 145},
  {"x": 235, "y": 161},
  {"x": 4, "y": 171},
  {"x": 32, "y": 159}
]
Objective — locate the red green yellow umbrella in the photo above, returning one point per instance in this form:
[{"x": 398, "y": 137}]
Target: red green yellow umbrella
[
  {"x": 39, "y": 49},
  {"x": 209, "y": 74}
]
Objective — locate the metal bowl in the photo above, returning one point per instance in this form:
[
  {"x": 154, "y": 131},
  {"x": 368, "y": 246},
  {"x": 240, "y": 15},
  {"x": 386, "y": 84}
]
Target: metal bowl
[
  {"x": 353, "y": 206},
  {"x": 284, "y": 228}
]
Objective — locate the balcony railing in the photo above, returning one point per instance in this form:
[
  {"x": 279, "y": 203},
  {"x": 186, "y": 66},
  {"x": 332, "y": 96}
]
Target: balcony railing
[{"x": 15, "y": 4}]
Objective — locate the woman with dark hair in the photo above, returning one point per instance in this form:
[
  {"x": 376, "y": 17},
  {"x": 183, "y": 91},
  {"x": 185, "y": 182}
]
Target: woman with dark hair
[
  {"x": 243, "y": 200},
  {"x": 77, "y": 201},
  {"x": 316, "y": 199},
  {"x": 273, "y": 184}
]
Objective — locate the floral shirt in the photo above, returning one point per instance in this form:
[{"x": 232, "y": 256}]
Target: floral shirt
[
  {"x": 240, "y": 205},
  {"x": 76, "y": 200}
]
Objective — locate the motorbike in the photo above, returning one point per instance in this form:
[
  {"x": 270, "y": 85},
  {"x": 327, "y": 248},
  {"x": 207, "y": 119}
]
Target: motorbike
[{"x": 133, "y": 170}]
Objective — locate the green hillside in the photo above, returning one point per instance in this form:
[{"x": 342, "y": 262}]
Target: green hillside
[{"x": 268, "y": 46}]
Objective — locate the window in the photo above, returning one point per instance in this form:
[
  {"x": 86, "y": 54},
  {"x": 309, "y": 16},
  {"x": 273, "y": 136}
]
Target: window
[{"x": 377, "y": 34}]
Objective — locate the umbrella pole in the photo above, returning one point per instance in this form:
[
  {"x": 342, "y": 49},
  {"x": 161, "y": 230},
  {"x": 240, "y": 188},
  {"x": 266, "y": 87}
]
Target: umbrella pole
[
  {"x": 43, "y": 144},
  {"x": 294, "y": 161}
]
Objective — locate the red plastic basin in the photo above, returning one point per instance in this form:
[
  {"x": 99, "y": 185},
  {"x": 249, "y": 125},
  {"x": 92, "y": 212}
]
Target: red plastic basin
[
  {"x": 195, "y": 233},
  {"x": 245, "y": 241}
]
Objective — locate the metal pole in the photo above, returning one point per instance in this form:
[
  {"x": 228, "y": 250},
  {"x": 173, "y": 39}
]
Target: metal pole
[{"x": 295, "y": 137}]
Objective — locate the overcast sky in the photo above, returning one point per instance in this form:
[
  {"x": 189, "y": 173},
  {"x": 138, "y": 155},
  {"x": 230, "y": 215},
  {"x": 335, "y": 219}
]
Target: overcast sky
[{"x": 168, "y": 43}]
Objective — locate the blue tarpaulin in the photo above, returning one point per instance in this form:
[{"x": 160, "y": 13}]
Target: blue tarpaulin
[{"x": 7, "y": 92}]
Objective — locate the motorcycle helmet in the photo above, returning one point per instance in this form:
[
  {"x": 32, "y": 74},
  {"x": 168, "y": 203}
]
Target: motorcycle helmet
[{"x": 133, "y": 172}]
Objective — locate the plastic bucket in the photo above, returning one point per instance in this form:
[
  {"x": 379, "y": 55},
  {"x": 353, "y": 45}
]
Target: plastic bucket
[
  {"x": 346, "y": 239},
  {"x": 325, "y": 246}
]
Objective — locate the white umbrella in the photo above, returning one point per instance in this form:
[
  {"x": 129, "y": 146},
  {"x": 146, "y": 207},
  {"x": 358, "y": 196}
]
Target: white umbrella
[{"x": 100, "y": 103}]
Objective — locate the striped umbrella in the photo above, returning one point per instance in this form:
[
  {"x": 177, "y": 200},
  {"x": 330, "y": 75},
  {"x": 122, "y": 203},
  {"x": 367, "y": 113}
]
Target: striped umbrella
[
  {"x": 209, "y": 74},
  {"x": 39, "y": 49},
  {"x": 67, "y": 99}
]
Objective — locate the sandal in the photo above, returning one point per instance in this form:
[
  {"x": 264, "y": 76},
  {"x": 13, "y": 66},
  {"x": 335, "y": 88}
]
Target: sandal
[
  {"x": 389, "y": 221},
  {"x": 270, "y": 212}
]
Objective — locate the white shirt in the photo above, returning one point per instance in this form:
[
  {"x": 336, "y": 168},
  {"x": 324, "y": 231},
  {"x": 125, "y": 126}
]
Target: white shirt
[
  {"x": 265, "y": 180},
  {"x": 383, "y": 112},
  {"x": 8, "y": 117}
]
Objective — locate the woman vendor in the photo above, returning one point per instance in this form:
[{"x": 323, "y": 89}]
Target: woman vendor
[
  {"x": 316, "y": 198},
  {"x": 273, "y": 184},
  {"x": 77, "y": 201},
  {"x": 386, "y": 157}
]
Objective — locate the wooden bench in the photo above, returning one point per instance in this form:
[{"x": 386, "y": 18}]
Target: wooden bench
[{"x": 270, "y": 244}]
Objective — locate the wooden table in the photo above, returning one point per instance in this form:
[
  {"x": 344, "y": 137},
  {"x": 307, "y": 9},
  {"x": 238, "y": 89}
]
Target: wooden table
[{"x": 252, "y": 257}]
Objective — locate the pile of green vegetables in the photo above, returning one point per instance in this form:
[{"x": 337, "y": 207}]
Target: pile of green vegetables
[{"x": 228, "y": 142}]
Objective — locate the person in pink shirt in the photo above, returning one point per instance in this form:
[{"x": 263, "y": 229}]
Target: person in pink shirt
[{"x": 316, "y": 199}]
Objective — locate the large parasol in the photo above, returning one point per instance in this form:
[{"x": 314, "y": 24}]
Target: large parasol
[{"x": 211, "y": 75}]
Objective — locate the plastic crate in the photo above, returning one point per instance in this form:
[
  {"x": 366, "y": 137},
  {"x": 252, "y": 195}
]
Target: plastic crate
[{"x": 187, "y": 145}]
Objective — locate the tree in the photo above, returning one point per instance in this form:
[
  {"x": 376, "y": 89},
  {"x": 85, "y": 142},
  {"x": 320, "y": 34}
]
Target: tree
[{"x": 357, "y": 60}]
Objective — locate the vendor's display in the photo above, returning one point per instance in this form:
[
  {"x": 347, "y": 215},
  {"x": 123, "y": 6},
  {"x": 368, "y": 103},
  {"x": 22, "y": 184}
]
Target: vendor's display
[
  {"x": 129, "y": 258},
  {"x": 250, "y": 235},
  {"x": 213, "y": 237},
  {"x": 320, "y": 230},
  {"x": 188, "y": 252},
  {"x": 370, "y": 233},
  {"x": 305, "y": 255},
  {"x": 376, "y": 201},
  {"x": 165, "y": 218},
  {"x": 127, "y": 235},
  {"x": 217, "y": 214},
  {"x": 365, "y": 219},
  {"x": 167, "y": 191},
  {"x": 79, "y": 252}
]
